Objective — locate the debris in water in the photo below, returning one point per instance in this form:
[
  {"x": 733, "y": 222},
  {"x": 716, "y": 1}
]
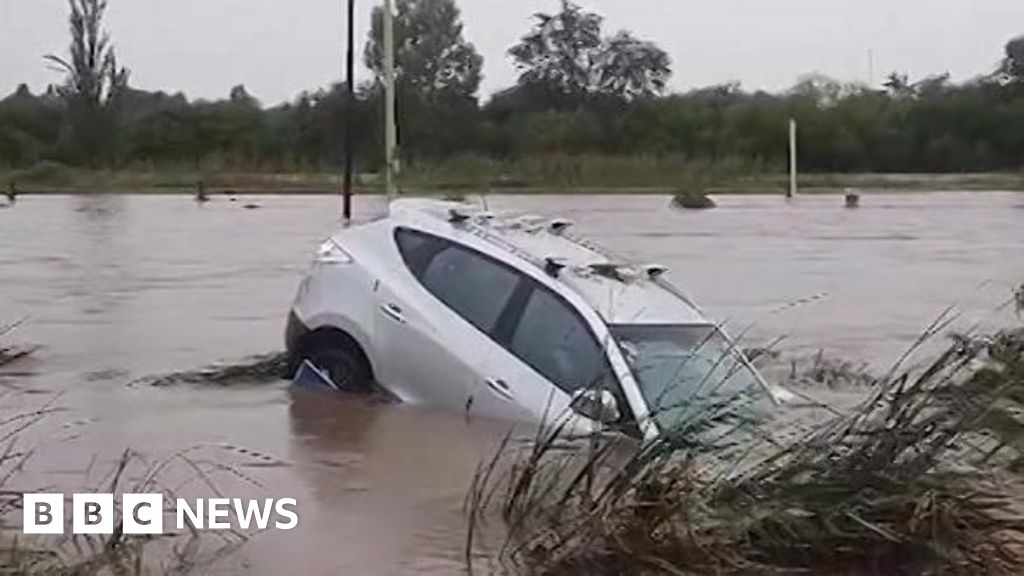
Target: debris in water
[
  {"x": 12, "y": 353},
  {"x": 309, "y": 377},
  {"x": 201, "y": 195},
  {"x": 105, "y": 375},
  {"x": 693, "y": 201},
  {"x": 257, "y": 369}
]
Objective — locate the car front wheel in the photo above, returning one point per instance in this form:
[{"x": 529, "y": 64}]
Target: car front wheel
[{"x": 346, "y": 367}]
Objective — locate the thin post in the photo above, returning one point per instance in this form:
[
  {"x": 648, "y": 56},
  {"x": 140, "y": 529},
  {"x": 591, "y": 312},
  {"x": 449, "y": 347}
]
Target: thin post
[
  {"x": 792, "y": 160},
  {"x": 390, "y": 137},
  {"x": 346, "y": 210}
]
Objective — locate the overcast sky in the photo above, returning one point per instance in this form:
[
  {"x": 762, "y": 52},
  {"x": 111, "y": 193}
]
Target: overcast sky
[{"x": 278, "y": 48}]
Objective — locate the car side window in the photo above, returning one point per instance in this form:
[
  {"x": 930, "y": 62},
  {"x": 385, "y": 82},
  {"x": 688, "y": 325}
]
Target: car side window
[
  {"x": 556, "y": 342},
  {"x": 418, "y": 249},
  {"x": 472, "y": 285}
]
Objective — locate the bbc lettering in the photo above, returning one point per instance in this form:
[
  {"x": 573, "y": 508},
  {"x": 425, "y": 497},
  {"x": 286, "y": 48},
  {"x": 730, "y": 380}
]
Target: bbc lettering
[{"x": 144, "y": 513}]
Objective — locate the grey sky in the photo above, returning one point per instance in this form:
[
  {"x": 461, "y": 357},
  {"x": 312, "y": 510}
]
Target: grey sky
[{"x": 278, "y": 48}]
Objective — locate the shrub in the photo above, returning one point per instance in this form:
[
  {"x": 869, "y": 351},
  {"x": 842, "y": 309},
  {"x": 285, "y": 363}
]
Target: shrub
[{"x": 693, "y": 201}]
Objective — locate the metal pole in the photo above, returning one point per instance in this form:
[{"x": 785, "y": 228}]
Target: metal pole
[
  {"x": 390, "y": 137},
  {"x": 349, "y": 112},
  {"x": 792, "y": 160}
]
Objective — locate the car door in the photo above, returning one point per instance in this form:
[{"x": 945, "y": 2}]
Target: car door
[
  {"x": 548, "y": 352},
  {"x": 433, "y": 319}
]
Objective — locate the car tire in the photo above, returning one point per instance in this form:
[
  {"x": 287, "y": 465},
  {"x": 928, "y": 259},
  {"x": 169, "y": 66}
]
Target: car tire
[{"x": 346, "y": 367}]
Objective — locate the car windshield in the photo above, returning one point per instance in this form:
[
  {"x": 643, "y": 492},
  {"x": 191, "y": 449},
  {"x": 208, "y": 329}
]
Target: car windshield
[{"x": 683, "y": 369}]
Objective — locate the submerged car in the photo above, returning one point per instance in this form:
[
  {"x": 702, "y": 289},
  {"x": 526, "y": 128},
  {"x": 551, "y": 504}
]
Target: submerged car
[{"x": 511, "y": 317}]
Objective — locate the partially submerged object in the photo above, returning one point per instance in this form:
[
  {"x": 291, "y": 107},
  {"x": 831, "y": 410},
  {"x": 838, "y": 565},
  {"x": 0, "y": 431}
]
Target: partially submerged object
[
  {"x": 12, "y": 353},
  {"x": 693, "y": 201},
  {"x": 201, "y": 196},
  {"x": 513, "y": 317},
  {"x": 310, "y": 377}
]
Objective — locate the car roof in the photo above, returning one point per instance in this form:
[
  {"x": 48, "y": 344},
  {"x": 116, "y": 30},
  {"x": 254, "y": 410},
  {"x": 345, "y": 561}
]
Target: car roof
[{"x": 621, "y": 291}]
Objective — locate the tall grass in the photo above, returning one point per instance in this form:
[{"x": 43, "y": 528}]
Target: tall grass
[
  {"x": 548, "y": 172},
  {"x": 115, "y": 554},
  {"x": 125, "y": 554},
  {"x": 566, "y": 171},
  {"x": 921, "y": 478}
]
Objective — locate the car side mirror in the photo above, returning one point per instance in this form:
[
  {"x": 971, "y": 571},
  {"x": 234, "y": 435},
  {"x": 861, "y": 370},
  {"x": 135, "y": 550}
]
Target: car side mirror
[{"x": 597, "y": 405}]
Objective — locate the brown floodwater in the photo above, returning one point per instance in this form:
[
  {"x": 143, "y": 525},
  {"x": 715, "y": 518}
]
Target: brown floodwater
[{"x": 118, "y": 288}]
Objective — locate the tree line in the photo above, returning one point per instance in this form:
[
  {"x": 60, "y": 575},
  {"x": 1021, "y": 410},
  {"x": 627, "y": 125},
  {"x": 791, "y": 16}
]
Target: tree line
[{"x": 580, "y": 91}]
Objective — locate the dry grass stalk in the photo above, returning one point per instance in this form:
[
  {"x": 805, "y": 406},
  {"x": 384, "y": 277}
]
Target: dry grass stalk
[
  {"x": 121, "y": 554},
  {"x": 921, "y": 479}
]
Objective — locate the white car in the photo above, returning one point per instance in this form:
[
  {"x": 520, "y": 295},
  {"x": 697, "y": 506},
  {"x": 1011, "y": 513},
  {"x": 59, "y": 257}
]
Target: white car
[{"x": 510, "y": 317}]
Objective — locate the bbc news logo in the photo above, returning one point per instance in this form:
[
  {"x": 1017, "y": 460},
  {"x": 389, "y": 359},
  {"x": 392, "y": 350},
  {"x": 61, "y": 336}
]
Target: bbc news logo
[{"x": 144, "y": 514}]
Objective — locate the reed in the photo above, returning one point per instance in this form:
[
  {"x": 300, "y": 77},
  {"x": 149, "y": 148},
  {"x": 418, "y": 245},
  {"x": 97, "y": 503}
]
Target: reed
[
  {"x": 923, "y": 477},
  {"x": 119, "y": 554}
]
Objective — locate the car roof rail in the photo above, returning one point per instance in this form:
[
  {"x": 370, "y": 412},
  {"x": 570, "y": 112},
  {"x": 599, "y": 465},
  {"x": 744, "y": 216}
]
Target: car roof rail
[
  {"x": 655, "y": 270},
  {"x": 458, "y": 215},
  {"x": 559, "y": 225},
  {"x": 554, "y": 266},
  {"x": 611, "y": 270}
]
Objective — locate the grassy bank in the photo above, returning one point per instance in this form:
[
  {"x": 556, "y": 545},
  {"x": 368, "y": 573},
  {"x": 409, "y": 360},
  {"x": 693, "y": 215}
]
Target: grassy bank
[{"x": 555, "y": 174}]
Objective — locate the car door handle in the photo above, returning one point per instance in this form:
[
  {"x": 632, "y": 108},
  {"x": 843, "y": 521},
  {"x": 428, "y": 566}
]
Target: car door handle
[
  {"x": 501, "y": 388},
  {"x": 394, "y": 312}
]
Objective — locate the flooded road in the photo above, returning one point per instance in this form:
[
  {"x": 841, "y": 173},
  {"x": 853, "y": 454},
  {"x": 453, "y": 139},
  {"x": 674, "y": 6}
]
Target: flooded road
[{"x": 118, "y": 288}]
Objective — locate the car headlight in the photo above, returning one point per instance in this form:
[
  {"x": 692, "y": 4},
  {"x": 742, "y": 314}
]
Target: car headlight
[{"x": 330, "y": 252}]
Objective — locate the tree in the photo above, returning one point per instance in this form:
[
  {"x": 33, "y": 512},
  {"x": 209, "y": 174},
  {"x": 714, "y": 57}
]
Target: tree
[
  {"x": 561, "y": 52},
  {"x": 899, "y": 85},
  {"x": 93, "y": 82},
  {"x": 432, "y": 58},
  {"x": 630, "y": 68},
  {"x": 29, "y": 126},
  {"x": 566, "y": 57},
  {"x": 821, "y": 90},
  {"x": 1013, "y": 64},
  {"x": 438, "y": 74},
  {"x": 933, "y": 85}
]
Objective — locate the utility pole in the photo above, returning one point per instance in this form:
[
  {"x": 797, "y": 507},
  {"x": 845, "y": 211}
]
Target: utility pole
[
  {"x": 390, "y": 136},
  {"x": 350, "y": 97},
  {"x": 792, "y": 160}
]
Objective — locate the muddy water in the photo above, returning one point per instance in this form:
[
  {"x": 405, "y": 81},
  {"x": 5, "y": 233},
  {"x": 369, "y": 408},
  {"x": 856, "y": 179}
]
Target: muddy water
[{"x": 122, "y": 287}]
